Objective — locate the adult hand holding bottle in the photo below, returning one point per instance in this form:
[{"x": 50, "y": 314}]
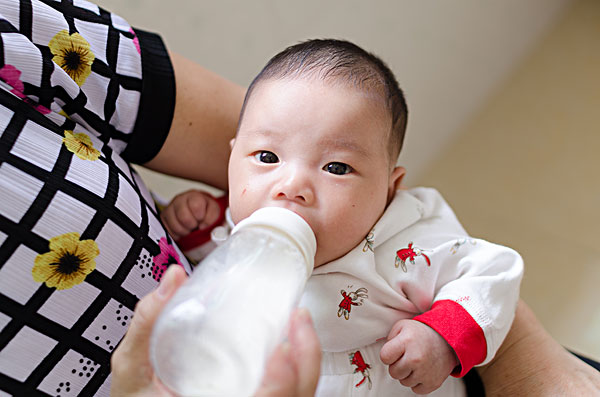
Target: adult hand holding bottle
[{"x": 293, "y": 369}]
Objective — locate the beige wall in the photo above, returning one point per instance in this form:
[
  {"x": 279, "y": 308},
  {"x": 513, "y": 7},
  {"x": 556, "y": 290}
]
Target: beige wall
[
  {"x": 436, "y": 48},
  {"x": 525, "y": 172}
]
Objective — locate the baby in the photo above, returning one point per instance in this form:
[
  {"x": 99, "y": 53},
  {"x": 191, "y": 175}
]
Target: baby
[{"x": 401, "y": 296}]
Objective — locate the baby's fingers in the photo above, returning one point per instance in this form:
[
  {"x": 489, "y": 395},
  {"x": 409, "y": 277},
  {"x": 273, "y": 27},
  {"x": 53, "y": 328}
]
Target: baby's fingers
[
  {"x": 174, "y": 227},
  {"x": 400, "y": 371},
  {"x": 185, "y": 215},
  {"x": 422, "y": 388},
  {"x": 205, "y": 209},
  {"x": 392, "y": 351}
]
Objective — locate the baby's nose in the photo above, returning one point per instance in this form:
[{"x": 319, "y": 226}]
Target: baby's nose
[{"x": 296, "y": 186}]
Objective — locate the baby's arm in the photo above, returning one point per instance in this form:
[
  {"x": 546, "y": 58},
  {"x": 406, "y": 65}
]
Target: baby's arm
[
  {"x": 470, "y": 315},
  {"x": 418, "y": 356},
  {"x": 189, "y": 211}
]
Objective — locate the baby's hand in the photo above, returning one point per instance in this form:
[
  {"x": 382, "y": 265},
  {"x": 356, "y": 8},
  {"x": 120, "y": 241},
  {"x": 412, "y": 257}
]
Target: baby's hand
[
  {"x": 189, "y": 211},
  {"x": 418, "y": 356}
]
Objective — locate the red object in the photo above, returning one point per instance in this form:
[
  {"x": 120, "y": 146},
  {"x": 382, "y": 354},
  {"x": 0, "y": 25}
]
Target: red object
[
  {"x": 460, "y": 330},
  {"x": 201, "y": 236},
  {"x": 347, "y": 303},
  {"x": 409, "y": 254},
  {"x": 357, "y": 359}
]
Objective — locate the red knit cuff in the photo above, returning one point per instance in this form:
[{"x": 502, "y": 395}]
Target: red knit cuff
[
  {"x": 460, "y": 330},
  {"x": 199, "y": 237}
]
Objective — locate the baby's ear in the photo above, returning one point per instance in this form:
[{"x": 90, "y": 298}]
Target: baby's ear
[{"x": 395, "y": 182}]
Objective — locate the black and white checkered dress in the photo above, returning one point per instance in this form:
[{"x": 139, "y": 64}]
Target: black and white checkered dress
[{"x": 81, "y": 96}]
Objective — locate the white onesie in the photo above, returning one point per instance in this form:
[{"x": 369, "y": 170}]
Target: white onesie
[{"x": 417, "y": 262}]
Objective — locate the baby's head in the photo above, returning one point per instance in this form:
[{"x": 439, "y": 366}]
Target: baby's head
[
  {"x": 341, "y": 63},
  {"x": 320, "y": 132}
]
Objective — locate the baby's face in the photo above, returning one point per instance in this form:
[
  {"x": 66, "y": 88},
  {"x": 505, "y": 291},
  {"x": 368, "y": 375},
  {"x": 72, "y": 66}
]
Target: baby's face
[{"x": 319, "y": 150}]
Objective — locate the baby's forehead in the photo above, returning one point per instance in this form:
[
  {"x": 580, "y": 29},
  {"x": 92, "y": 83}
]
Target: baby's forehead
[
  {"x": 375, "y": 110},
  {"x": 374, "y": 93},
  {"x": 372, "y": 87}
]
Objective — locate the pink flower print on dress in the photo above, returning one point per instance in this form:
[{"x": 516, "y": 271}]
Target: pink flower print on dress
[
  {"x": 168, "y": 256},
  {"x": 136, "y": 41},
  {"x": 12, "y": 77},
  {"x": 39, "y": 108}
]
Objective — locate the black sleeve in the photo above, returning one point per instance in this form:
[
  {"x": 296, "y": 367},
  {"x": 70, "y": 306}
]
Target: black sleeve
[{"x": 157, "y": 102}]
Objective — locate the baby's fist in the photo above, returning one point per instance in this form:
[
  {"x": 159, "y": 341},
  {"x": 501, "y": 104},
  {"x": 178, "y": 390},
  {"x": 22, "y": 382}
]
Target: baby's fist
[
  {"x": 418, "y": 356},
  {"x": 189, "y": 211}
]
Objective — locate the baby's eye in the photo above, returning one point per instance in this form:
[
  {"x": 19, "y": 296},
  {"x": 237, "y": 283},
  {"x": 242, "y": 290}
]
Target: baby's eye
[
  {"x": 266, "y": 157},
  {"x": 338, "y": 168}
]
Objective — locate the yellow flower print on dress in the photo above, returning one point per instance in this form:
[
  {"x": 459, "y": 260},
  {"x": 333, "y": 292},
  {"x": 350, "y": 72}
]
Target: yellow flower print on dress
[
  {"x": 68, "y": 262},
  {"x": 81, "y": 145},
  {"x": 72, "y": 53}
]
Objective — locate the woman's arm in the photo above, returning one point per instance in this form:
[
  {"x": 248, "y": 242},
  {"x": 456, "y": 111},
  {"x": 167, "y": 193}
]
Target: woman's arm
[
  {"x": 207, "y": 108},
  {"x": 531, "y": 363}
]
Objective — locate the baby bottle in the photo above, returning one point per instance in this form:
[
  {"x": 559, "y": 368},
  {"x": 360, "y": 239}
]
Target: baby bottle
[{"x": 215, "y": 335}]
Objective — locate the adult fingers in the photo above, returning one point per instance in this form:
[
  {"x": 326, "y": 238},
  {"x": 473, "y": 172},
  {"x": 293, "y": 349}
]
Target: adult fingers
[
  {"x": 280, "y": 377},
  {"x": 306, "y": 352},
  {"x": 293, "y": 369},
  {"x": 131, "y": 368}
]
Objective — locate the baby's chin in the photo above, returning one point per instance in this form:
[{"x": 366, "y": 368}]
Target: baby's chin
[{"x": 322, "y": 258}]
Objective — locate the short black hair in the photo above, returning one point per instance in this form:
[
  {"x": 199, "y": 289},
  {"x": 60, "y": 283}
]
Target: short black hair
[{"x": 343, "y": 61}]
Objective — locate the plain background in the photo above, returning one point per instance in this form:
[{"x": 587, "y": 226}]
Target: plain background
[{"x": 504, "y": 101}]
